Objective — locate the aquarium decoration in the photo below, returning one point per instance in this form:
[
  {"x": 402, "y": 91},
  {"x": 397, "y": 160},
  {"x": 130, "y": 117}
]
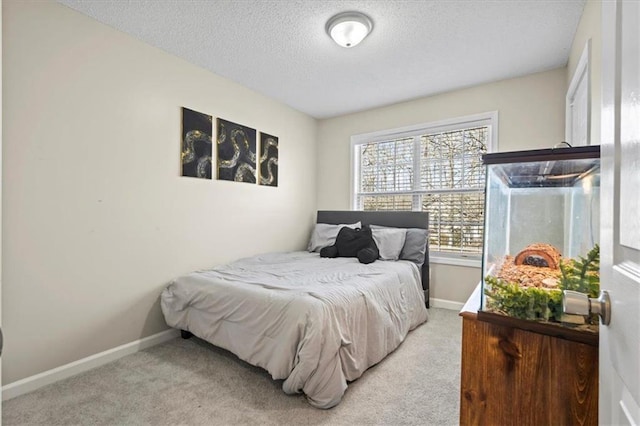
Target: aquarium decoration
[{"x": 530, "y": 285}]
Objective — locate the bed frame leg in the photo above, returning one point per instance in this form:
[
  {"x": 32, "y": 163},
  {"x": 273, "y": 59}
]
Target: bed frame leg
[{"x": 185, "y": 334}]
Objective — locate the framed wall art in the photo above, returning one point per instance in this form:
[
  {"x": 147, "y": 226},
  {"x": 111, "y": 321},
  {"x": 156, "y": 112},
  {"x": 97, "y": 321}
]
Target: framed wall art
[
  {"x": 196, "y": 144},
  {"x": 236, "y": 152},
  {"x": 268, "y": 160}
]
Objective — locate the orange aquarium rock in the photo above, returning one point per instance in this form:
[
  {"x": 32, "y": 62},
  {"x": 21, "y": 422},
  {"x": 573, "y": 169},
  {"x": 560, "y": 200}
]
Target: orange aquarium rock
[{"x": 539, "y": 255}]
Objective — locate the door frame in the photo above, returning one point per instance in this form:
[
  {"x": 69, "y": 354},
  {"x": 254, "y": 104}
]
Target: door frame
[
  {"x": 1, "y": 183},
  {"x": 581, "y": 73}
]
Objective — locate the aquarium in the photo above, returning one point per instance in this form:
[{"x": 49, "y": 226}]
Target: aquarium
[{"x": 541, "y": 233}]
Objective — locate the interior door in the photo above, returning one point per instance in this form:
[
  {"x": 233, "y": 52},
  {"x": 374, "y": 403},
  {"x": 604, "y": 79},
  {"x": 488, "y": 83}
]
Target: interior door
[{"x": 620, "y": 213}]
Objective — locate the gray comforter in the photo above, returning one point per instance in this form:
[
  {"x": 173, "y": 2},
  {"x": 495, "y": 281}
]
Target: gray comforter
[{"x": 316, "y": 323}]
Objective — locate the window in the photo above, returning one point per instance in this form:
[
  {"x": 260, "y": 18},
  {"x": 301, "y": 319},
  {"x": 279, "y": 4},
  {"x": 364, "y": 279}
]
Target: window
[{"x": 435, "y": 167}]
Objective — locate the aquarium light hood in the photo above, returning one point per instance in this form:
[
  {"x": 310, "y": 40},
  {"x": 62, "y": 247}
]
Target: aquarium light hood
[{"x": 557, "y": 167}]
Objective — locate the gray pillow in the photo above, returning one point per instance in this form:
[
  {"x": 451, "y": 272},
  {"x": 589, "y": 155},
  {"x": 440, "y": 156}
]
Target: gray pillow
[
  {"x": 390, "y": 241},
  {"x": 324, "y": 234},
  {"x": 415, "y": 244}
]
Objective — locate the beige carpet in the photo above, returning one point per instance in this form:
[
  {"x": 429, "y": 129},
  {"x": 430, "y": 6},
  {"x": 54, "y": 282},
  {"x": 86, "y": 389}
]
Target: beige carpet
[{"x": 190, "y": 382}]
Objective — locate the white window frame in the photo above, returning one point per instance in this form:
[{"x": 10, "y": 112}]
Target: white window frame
[{"x": 489, "y": 119}]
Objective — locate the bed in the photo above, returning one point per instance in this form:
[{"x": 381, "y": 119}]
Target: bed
[{"x": 313, "y": 322}]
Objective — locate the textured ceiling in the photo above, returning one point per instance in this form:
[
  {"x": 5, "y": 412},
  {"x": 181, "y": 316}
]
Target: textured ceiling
[{"x": 417, "y": 48}]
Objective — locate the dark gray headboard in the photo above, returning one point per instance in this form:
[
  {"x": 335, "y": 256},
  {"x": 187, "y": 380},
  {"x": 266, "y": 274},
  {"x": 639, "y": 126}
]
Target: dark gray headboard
[{"x": 389, "y": 218}]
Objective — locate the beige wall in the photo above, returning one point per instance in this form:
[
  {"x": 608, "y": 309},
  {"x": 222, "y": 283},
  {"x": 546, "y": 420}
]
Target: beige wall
[
  {"x": 96, "y": 218},
  {"x": 531, "y": 115},
  {"x": 590, "y": 28},
  {"x": 1, "y": 1}
]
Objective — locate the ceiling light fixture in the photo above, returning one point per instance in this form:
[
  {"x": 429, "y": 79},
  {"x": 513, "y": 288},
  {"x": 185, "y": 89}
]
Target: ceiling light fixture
[{"x": 349, "y": 28}]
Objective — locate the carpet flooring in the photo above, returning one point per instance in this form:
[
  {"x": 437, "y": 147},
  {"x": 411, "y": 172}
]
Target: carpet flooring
[{"x": 190, "y": 382}]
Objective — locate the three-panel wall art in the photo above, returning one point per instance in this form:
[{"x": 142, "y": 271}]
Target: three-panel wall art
[{"x": 237, "y": 150}]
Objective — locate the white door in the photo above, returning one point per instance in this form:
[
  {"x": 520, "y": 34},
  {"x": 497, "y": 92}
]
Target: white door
[{"x": 620, "y": 213}]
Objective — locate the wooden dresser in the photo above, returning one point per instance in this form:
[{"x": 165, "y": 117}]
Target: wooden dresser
[{"x": 513, "y": 376}]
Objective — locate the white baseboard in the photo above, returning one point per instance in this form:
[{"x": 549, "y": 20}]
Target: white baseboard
[
  {"x": 445, "y": 304},
  {"x": 47, "y": 377}
]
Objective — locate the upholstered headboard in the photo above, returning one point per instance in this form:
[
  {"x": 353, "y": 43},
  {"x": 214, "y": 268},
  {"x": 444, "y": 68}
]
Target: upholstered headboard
[{"x": 384, "y": 218}]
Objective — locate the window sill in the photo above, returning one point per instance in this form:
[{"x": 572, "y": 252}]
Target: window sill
[{"x": 456, "y": 261}]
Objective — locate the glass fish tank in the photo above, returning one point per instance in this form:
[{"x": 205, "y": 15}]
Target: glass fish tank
[{"x": 541, "y": 234}]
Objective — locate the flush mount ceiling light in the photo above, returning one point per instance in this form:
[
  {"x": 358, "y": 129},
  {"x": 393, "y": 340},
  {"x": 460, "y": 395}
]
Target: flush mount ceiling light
[{"x": 349, "y": 28}]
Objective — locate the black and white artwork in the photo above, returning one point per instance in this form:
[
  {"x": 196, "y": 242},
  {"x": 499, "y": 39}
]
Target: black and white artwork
[
  {"x": 196, "y": 144},
  {"x": 236, "y": 152},
  {"x": 268, "y": 160}
]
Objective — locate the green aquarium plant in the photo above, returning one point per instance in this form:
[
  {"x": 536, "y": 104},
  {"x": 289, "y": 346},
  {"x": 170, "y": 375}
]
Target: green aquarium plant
[
  {"x": 530, "y": 303},
  {"x": 542, "y": 304},
  {"x": 582, "y": 275}
]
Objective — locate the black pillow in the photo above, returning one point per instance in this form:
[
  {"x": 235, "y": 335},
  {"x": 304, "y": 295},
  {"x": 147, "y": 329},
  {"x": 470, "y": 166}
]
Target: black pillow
[{"x": 351, "y": 242}]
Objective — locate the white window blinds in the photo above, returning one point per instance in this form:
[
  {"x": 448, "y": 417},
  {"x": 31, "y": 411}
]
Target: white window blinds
[{"x": 434, "y": 170}]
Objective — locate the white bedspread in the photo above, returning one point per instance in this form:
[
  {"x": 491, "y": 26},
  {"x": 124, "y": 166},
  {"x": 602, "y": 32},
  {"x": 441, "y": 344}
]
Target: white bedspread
[{"x": 316, "y": 323}]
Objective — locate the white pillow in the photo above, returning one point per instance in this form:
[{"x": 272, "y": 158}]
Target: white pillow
[
  {"x": 325, "y": 234},
  {"x": 389, "y": 241}
]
